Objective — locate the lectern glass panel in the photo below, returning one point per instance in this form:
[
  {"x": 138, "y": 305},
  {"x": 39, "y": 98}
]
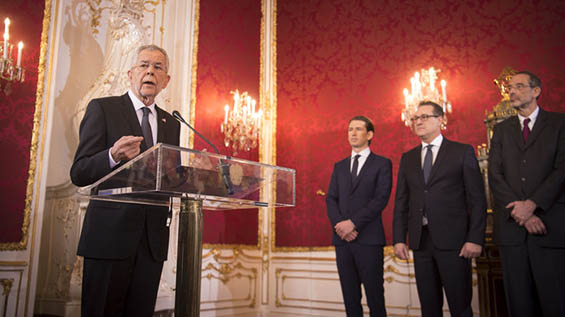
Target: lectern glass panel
[{"x": 222, "y": 182}]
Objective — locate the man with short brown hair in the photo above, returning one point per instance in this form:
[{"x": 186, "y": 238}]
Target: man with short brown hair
[{"x": 359, "y": 191}]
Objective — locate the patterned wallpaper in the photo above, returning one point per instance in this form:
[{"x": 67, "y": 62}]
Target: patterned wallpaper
[
  {"x": 228, "y": 59},
  {"x": 17, "y": 108},
  {"x": 340, "y": 58}
]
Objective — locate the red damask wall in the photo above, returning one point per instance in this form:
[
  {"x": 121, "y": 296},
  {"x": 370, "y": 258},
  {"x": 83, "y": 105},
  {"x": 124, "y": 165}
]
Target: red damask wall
[
  {"x": 340, "y": 58},
  {"x": 17, "y": 108},
  {"x": 228, "y": 59}
]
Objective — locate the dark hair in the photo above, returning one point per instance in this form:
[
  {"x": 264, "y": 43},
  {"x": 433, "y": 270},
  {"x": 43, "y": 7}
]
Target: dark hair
[
  {"x": 533, "y": 80},
  {"x": 368, "y": 124},
  {"x": 438, "y": 110}
]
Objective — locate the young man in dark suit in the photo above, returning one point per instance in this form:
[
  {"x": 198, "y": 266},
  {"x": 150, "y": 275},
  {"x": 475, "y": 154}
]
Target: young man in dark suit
[
  {"x": 527, "y": 177},
  {"x": 124, "y": 245},
  {"x": 359, "y": 191},
  {"x": 440, "y": 203}
]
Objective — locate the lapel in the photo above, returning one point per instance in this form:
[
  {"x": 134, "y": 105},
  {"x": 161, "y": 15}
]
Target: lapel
[
  {"x": 516, "y": 131},
  {"x": 538, "y": 127},
  {"x": 416, "y": 157},
  {"x": 362, "y": 172},
  {"x": 131, "y": 118},
  {"x": 161, "y": 122},
  {"x": 442, "y": 153},
  {"x": 128, "y": 111}
]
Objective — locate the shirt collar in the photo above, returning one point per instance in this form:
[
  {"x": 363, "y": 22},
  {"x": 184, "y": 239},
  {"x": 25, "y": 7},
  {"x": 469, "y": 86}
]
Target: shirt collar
[
  {"x": 435, "y": 142},
  {"x": 363, "y": 153},
  {"x": 138, "y": 104},
  {"x": 533, "y": 116}
]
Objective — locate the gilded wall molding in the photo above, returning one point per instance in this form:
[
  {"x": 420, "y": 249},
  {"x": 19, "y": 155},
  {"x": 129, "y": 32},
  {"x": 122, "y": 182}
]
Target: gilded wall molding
[
  {"x": 194, "y": 72},
  {"x": 35, "y": 138}
]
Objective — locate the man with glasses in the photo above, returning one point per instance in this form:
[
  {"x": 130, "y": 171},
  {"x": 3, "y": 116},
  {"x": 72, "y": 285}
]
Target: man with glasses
[
  {"x": 440, "y": 204},
  {"x": 124, "y": 245},
  {"x": 359, "y": 191},
  {"x": 526, "y": 174}
]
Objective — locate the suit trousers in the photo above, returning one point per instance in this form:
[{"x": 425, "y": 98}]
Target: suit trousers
[
  {"x": 534, "y": 279},
  {"x": 361, "y": 264},
  {"x": 126, "y": 287},
  {"x": 442, "y": 269}
]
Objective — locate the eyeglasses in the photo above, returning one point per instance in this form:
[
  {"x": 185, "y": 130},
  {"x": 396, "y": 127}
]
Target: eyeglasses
[
  {"x": 518, "y": 87},
  {"x": 424, "y": 117},
  {"x": 157, "y": 66}
]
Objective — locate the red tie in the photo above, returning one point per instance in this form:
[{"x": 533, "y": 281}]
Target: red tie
[{"x": 526, "y": 130}]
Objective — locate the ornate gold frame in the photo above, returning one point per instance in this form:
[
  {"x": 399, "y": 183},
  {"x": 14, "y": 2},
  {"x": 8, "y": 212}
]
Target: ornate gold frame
[
  {"x": 192, "y": 120},
  {"x": 35, "y": 137}
]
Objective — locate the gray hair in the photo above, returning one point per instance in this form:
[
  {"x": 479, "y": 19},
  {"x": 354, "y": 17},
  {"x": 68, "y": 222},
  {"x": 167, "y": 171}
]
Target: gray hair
[{"x": 153, "y": 47}]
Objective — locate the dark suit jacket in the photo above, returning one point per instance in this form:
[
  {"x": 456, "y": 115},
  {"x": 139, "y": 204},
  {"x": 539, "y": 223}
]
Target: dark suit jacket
[
  {"x": 361, "y": 201},
  {"x": 453, "y": 198},
  {"x": 533, "y": 170},
  {"x": 113, "y": 230}
]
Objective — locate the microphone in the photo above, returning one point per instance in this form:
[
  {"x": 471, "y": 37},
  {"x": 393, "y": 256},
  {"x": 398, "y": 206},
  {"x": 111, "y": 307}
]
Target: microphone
[{"x": 224, "y": 166}]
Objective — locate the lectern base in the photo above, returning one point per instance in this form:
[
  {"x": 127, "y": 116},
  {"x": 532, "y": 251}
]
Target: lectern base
[{"x": 189, "y": 259}]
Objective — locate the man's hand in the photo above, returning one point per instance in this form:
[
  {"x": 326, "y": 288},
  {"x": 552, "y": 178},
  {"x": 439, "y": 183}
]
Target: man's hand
[
  {"x": 470, "y": 250},
  {"x": 401, "y": 251},
  {"x": 343, "y": 228},
  {"x": 522, "y": 210},
  {"x": 352, "y": 236},
  {"x": 126, "y": 148},
  {"x": 534, "y": 225}
]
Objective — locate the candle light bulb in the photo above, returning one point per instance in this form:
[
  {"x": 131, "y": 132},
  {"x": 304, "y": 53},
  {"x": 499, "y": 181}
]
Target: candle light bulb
[
  {"x": 20, "y": 49},
  {"x": 6, "y": 25}
]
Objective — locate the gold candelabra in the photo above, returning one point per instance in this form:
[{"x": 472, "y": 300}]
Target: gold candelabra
[
  {"x": 424, "y": 88},
  {"x": 242, "y": 123},
  {"x": 10, "y": 72}
]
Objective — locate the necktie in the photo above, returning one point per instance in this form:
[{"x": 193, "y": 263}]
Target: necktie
[
  {"x": 355, "y": 166},
  {"x": 526, "y": 130},
  {"x": 146, "y": 127},
  {"x": 428, "y": 159}
]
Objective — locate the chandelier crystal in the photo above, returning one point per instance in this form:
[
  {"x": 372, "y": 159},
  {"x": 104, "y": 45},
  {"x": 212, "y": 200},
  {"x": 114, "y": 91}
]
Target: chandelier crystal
[
  {"x": 242, "y": 123},
  {"x": 424, "y": 88},
  {"x": 10, "y": 72}
]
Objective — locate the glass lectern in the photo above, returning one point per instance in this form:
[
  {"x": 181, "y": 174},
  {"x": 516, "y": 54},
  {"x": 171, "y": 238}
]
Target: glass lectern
[{"x": 200, "y": 180}]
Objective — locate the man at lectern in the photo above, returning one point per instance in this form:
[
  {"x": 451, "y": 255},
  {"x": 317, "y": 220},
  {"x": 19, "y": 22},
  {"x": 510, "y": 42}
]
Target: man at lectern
[
  {"x": 124, "y": 245},
  {"x": 359, "y": 191},
  {"x": 441, "y": 206},
  {"x": 527, "y": 177}
]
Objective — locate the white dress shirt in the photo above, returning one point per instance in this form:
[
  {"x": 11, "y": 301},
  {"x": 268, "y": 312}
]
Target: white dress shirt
[
  {"x": 435, "y": 148},
  {"x": 138, "y": 105},
  {"x": 533, "y": 116},
  {"x": 362, "y": 159}
]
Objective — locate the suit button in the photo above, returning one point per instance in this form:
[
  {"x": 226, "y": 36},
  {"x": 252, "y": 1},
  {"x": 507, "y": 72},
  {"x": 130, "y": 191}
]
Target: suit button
[
  {"x": 426, "y": 191},
  {"x": 524, "y": 162},
  {"x": 523, "y": 179}
]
